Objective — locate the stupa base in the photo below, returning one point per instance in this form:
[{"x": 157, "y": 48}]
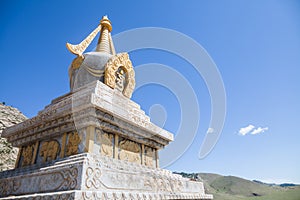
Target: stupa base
[{"x": 88, "y": 176}]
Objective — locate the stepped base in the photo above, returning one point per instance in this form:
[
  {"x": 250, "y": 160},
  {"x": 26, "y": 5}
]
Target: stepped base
[{"x": 88, "y": 176}]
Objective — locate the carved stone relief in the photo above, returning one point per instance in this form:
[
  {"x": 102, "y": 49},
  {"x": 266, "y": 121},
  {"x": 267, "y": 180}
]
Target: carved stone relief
[
  {"x": 59, "y": 180},
  {"x": 111, "y": 73},
  {"x": 73, "y": 142},
  {"x": 120, "y": 79},
  {"x": 49, "y": 150},
  {"x": 27, "y": 154},
  {"x": 130, "y": 151},
  {"x": 107, "y": 144},
  {"x": 93, "y": 178},
  {"x": 149, "y": 155},
  {"x": 9, "y": 186}
]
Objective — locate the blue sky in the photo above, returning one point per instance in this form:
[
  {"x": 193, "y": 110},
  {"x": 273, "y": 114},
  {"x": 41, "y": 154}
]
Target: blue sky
[{"x": 255, "y": 44}]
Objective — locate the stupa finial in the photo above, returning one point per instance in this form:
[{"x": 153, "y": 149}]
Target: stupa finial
[{"x": 105, "y": 43}]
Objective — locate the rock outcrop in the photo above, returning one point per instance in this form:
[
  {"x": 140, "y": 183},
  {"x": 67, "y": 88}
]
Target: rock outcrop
[{"x": 8, "y": 117}]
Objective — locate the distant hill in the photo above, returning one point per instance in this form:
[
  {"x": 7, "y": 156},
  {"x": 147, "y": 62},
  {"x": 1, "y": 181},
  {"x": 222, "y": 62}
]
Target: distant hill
[
  {"x": 235, "y": 188},
  {"x": 281, "y": 185}
]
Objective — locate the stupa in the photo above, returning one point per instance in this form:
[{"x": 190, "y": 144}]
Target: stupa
[{"x": 93, "y": 142}]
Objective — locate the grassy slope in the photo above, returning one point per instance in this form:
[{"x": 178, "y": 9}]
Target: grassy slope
[
  {"x": 292, "y": 193},
  {"x": 234, "y": 188}
]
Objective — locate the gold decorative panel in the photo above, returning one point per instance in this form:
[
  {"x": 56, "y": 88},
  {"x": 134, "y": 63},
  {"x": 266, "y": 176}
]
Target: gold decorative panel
[
  {"x": 107, "y": 144},
  {"x": 27, "y": 154},
  {"x": 149, "y": 155},
  {"x": 129, "y": 151},
  {"x": 49, "y": 150},
  {"x": 73, "y": 142}
]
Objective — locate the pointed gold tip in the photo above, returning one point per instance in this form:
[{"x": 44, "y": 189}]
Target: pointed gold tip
[
  {"x": 105, "y": 22},
  {"x": 73, "y": 49}
]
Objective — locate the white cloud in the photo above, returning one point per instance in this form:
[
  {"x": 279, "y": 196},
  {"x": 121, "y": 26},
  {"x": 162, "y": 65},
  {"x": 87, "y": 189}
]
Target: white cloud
[
  {"x": 246, "y": 130},
  {"x": 250, "y": 129},
  {"x": 259, "y": 130},
  {"x": 210, "y": 130}
]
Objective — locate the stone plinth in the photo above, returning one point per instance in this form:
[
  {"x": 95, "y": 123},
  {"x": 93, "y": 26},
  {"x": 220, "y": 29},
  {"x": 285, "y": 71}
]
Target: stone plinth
[
  {"x": 89, "y": 176},
  {"x": 93, "y": 143}
]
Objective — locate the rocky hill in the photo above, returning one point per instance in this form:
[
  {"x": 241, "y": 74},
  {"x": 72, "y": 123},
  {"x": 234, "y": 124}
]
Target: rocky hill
[{"x": 8, "y": 117}]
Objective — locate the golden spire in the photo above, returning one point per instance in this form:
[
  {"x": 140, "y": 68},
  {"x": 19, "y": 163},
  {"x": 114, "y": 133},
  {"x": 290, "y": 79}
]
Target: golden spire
[{"x": 105, "y": 43}]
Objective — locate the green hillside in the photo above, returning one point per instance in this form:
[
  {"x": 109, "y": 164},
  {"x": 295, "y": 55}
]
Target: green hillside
[
  {"x": 234, "y": 185},
  {"x": 235, "y": 188}
]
